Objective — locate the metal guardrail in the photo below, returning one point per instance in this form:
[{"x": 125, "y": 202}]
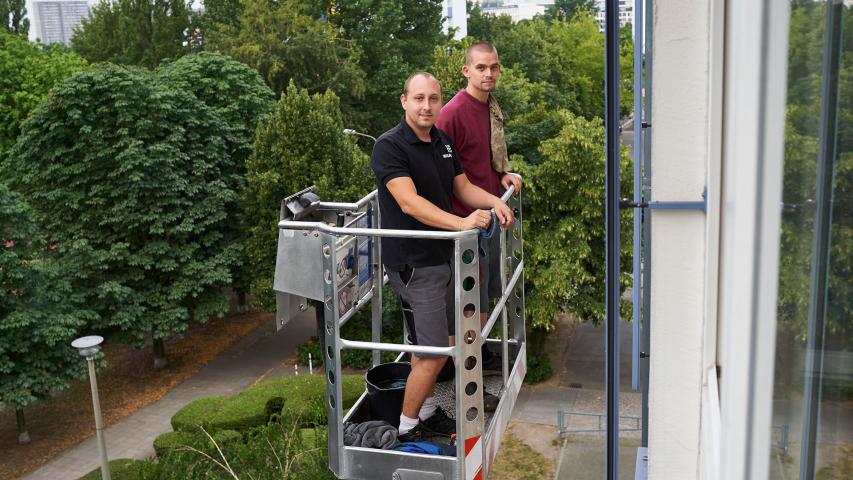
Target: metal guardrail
[
  {"x": 312, "y": 257},
  {"x": 780, "y": 437},
  {"x": 563, "y": 429}
]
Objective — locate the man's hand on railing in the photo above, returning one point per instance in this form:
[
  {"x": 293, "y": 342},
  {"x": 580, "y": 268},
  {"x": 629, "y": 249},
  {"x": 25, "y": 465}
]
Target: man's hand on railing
[
  {"x": 477, "y": 219},
  {"x": 509, "y": 178},
  {"x": 504, "y": 213}
]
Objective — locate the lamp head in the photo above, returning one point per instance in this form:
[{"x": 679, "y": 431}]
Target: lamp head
[{"x": 88, "y": 346}]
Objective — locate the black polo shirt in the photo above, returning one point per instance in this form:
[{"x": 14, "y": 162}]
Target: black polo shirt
[{"x": 432, "y": 166}]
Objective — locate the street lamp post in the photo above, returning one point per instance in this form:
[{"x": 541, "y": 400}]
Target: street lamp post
[
  {"x": 349, "y": 131},
  {"x": 88, "y": 347}
]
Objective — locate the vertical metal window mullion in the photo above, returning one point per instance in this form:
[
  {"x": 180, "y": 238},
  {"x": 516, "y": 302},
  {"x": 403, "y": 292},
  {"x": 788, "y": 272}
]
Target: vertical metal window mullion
[
  {"x": 611, "y": 120},
  {"x": 638, "y": 196},
  {"x": 823, "y": 228},
  {"x": 645, "y": 332}
]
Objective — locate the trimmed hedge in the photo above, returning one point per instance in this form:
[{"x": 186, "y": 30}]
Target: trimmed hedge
[
  {"x": 120, "y": 469},
  {"x": 225, "y": 437},
  {"x": 293, "y": 398},
  {"x": 197, "y": 413},
  {"x": 169, "y": 441}
]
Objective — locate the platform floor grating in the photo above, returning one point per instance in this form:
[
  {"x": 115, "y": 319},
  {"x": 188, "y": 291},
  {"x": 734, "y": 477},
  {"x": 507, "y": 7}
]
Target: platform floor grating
[{"x": 445, "y": 395}]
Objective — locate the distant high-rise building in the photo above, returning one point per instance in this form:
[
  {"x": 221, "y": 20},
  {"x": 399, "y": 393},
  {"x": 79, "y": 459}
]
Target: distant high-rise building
[
  {"x": 517, "y": 9},
  {"x": 53, "y": 21},
  {"x": 456, "y": 16},
  {"x": 626, "y": 11}
]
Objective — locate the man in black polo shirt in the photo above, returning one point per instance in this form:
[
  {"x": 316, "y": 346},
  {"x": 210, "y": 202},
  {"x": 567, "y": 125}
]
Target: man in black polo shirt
[{"x": 418, "y": 174}]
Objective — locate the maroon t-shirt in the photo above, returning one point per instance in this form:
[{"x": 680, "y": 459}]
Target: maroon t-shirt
[{"x": 466, "y": 120}]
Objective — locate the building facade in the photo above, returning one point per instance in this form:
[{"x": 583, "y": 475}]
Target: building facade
[{"x": 54, "y": 21}]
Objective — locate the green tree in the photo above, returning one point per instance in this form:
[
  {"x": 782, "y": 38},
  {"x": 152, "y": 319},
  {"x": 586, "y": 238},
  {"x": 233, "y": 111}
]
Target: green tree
[
  {"x": 283, "y": 43},
  {"x": 27, "y": 73},
  {"x": 238, "y": 94},
  {"x": 134, "y": 32},
  {"x": 567, "y": 9},
  {"x": 564, "y": 240},
  {"x": 397, "y": 39},
  {"x": 486, "y": 26},
  {"x": 568, "y": 59},
  {"x": 222, "y": 12},
  {"x": 39, "y": 313},
  {"x": 16, "y": 13},
  {"x": 122, "y": 162},
  {"x": 301, "y": 145}
]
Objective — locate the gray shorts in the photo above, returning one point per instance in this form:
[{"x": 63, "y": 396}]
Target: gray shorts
[
  {"x": 427, "y": 299},
  {"x": 490, "y": 270}
]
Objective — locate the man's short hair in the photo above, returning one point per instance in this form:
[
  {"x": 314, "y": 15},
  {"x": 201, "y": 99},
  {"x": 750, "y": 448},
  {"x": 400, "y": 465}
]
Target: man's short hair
[
  {"x": 419, "y": 74},
  {"x": 485, "y": 47}
]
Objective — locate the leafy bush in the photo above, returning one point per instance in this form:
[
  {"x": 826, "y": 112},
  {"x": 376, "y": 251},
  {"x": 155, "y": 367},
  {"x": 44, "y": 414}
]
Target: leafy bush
[
  {"x": 295, "y": 398},
  {"x": 274, "y": 451},
  {"x": 565, "y": 240},
  {"x": 538, "y": 367},
  {"x": 306, "y": 403},
  {"x": 197, "y": 413},
  {"x": 169, "y": 441},
  {"x": 120, "y": 469},
  {"x": 224, "y": 437}
]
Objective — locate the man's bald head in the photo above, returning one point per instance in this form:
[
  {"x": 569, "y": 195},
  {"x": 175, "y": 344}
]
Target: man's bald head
[
  {"x": 426, "y": 75},
  {"x": 483, "y": 47}
]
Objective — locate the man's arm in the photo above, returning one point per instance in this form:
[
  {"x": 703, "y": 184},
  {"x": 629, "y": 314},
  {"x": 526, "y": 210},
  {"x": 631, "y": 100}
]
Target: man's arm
[
  {"x": 404, "y": 192},
  {"x": 476, "y": 197}
]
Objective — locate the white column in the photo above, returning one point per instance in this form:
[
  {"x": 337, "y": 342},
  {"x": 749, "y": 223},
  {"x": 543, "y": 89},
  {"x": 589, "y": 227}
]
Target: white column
[{"x": 685, "y": 157}]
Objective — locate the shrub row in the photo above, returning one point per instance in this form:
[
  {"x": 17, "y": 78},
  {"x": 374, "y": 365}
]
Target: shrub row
[{"x": 299, "y": 399}]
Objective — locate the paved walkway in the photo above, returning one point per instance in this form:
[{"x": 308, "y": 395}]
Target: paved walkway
[{"x": 259, "y": 354}]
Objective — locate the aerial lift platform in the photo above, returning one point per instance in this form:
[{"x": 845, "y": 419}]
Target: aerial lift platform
[{"x": 331, "y": 252}]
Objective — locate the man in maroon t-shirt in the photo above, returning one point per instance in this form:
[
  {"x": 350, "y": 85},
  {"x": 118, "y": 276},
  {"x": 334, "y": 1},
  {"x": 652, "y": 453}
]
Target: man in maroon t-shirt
[{"x": 467, "y": 119}]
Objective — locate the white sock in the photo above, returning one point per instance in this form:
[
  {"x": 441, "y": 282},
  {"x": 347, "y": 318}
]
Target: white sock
[
  {"x": 427, "y": 409},
  {"x": 406, "y": 424}
]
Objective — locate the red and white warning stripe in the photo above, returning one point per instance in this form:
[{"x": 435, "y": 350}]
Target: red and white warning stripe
[{"x": 474, "y": 458}]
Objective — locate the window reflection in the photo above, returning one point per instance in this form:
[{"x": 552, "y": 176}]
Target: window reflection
[{"x": 832, "y": 448}]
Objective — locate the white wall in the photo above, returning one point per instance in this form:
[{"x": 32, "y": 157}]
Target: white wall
[{"x": 685, "y": 150}]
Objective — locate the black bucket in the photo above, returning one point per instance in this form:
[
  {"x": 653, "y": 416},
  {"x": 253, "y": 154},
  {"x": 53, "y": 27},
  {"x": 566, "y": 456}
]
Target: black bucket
[{"x": 386, "y": 385}]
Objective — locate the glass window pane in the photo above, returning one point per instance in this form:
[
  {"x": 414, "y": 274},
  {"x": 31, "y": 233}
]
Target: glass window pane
[{"x": 833, "y": 447}]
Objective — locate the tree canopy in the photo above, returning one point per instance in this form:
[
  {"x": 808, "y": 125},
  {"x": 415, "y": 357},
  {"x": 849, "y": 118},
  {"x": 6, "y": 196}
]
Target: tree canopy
[
  {"x": 144, "y": 186},
  {"x": 134, "y": 32},
  {"x": 283, "y": 43},
  {"x": 567, "y": 9},
  {"x": 27, "y": 73},
  {"x": 564, "y": 240},
  {"x": 239, "y": 96},
  {"x": 300, "y": 145},
  {"x": 397, "y": 39},
  {"x": 39, "y": 311}
]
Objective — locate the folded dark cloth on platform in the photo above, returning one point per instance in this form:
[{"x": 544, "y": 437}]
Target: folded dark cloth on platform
[{"x": 372, "y": 434}]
